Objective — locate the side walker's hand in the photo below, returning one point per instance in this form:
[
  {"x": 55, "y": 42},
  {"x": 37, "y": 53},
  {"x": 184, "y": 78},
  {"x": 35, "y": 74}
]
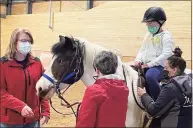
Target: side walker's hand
[
  {"x": 27, "y": 112},
  {"x": 144, "y": 66},
  {"x": 141, "y": 91},
  {"x": 137, "y": 64}
]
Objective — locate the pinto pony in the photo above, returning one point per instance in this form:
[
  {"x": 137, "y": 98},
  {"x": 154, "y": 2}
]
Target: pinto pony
[{"x": 73, "y": 61}]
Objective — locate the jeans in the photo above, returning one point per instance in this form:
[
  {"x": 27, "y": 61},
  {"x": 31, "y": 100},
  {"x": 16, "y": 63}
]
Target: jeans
[
  {"x": 153, "y": 76},
  {"x": 35, "y": 124}
]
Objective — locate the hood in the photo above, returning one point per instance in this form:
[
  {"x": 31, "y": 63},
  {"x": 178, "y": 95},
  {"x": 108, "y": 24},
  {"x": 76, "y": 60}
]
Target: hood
[
  {"x": 114, "y": 86},
  {"x": 184, "y": 81}
]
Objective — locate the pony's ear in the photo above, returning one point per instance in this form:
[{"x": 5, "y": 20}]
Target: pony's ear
[
  {"x": 62, "y": 38},
  {"x": 65, "y": 43},
  {"x": 69, "y": 42}
]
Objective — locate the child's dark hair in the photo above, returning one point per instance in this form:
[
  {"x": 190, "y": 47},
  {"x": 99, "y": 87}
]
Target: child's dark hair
[{"x": 176, "y": 61}]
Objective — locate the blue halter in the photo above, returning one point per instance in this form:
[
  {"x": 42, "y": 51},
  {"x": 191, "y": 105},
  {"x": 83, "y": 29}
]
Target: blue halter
[
  {"x": 64, "y": 79},
  {"x": 70, "y": 77}
]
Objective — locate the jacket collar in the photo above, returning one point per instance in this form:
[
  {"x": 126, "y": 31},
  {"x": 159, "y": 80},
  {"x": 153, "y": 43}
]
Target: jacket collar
[
  {"x": 111, "y": 76},
  {"x": 13, "y": 63}
]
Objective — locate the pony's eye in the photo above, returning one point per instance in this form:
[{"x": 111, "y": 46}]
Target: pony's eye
[{"x": 61, "y": 61}]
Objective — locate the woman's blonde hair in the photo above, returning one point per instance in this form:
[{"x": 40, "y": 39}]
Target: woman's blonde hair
[{"x": 12, "y": 47}]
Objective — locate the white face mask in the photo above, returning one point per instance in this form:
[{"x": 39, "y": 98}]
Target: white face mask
[{"x": 24, "y": 47}]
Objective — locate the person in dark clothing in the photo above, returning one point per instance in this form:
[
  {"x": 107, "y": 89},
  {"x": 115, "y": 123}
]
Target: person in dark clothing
[{"x": 173, "y": 105}]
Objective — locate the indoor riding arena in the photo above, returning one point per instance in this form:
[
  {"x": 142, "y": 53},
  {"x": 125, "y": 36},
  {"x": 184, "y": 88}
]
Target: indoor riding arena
[{"x": 115, "y": 25}]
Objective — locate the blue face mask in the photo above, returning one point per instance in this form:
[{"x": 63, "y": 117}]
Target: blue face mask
[
  {"x": 153, "y": 29},
  {"x": 24, "y": 47}
]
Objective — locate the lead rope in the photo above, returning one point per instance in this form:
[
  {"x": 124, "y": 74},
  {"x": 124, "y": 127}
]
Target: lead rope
[
  {"x": 58, "y": 111},
  {"x": 78, "y": 108}
]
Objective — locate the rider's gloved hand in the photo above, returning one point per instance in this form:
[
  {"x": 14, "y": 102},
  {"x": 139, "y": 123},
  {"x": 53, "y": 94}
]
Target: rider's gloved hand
[{"x": 137, "y": 64}]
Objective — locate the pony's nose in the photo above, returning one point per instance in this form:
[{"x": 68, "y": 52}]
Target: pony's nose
[
  {"x": 40, "y": 89},
  {"x": 43, "y": 92}
]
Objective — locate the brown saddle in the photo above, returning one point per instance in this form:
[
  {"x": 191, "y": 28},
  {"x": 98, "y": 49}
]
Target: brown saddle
[{"x": 141, "y": 74}]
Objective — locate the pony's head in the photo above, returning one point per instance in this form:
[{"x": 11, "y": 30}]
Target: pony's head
[{"x": 65, "y": 69}]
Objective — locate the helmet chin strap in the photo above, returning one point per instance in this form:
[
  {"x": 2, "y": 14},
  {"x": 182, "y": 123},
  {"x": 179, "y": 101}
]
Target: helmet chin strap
[{"x": 159, "y": 27}]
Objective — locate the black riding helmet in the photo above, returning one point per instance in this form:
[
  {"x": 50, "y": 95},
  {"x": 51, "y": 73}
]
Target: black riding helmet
[{"x": 154, "y": 14}]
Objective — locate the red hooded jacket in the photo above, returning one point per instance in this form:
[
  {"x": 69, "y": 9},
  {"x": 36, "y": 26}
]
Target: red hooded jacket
[
  {"x": 17, "y": 89},
  {"x": 104, "y": 104}
]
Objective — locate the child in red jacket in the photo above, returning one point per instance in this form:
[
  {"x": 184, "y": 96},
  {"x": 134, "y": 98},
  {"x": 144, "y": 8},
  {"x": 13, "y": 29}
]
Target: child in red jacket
[{"x": 105, "y": 102}]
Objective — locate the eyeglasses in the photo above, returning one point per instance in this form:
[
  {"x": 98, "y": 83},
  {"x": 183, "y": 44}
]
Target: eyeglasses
[
  {"x": 95, "y": 77},
  {"x": 24, "y": 40}
]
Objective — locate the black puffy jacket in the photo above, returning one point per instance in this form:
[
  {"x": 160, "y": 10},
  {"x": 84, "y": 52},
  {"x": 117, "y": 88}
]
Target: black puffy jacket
[{"x": 169, "y": 105}]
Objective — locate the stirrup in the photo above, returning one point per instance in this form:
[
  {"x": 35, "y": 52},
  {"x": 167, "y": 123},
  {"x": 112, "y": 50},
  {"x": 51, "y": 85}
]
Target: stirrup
[{"x": 150, "y": 118}]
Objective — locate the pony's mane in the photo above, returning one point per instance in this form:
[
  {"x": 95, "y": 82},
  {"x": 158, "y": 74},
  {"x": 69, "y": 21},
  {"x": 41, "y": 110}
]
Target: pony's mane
[
  {"x": 58, "y": 47},
  {"x": 64, "y": 43}
]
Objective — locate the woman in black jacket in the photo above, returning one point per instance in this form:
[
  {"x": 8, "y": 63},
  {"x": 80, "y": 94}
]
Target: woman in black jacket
[{"x": 174, "y": 103}]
